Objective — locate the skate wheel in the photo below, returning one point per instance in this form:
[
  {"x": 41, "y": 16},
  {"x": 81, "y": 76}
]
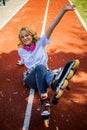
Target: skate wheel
[
  {"x": 76, "y": 64},
  {"x": 46, "y": 123},
  {"x": 60, "y": 93},
  {"x": 70, "y": 75},
  {"x": 65, "y": 84}
]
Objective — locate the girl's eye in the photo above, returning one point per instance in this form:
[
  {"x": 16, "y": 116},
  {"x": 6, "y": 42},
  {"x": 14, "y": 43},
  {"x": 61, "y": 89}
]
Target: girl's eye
[
  {"x": 26, "y": 35},
  {"x": 22, "y": 36}
]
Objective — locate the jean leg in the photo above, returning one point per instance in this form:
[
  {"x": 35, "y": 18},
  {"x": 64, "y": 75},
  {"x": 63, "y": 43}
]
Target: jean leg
[
  {"x": 31, "y": 80},
  {"x": 49, "y": 77},
  {"x": 51, "y": 74},
  {"x": 41, "y": 72}
]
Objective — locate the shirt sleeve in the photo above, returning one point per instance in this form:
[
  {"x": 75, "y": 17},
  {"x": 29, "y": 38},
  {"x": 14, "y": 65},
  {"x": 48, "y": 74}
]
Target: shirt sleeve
[
  {"x": 20, "y": 50},
  {"x": 44, "y": 40}
]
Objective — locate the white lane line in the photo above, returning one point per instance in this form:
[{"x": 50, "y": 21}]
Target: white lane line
[
  {"x": 45, "y": 17},
  {"x": 81, "y": 20},
  {"x": 28, "y": 110},
  {"x": 13, "y": 13},
  {"x": 31, "y": 94}
]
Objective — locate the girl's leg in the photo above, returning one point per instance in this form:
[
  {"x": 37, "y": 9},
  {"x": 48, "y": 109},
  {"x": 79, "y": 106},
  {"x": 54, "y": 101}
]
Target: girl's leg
[
  {"x": 41, "y": 78},
  {"x": 36, "y": 79},
  {"x": 52, "y": 75},
  {"x": 41, "y": 72},
  {"x": 30, "y": 80}
]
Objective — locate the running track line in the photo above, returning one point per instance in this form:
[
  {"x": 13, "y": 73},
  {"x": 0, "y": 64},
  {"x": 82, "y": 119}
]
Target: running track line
[
  {"x": 31, "y": 94},
  {"x": 81, "y": 20},
  {"x": 13, "y": 14}
]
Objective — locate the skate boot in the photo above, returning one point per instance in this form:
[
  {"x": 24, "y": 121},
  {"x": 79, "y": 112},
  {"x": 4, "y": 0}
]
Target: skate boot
[
  {"x": 45, "y": 110},
  {"x": 45, "y": 104},
  {"x": 60, "y": 83}
]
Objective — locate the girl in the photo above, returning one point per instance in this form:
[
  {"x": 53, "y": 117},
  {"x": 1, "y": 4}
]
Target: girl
[{"x": 33, "y": 55}]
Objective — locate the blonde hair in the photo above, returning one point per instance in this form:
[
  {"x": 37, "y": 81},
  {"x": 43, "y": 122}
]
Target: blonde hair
[{"x": 31, "y": 32}]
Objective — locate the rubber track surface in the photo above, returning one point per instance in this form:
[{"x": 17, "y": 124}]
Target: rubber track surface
[{"x": 69, "y": 41}]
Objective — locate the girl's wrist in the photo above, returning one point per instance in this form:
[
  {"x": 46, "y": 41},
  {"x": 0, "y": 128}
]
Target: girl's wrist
[{"x": 68, "y": 8}]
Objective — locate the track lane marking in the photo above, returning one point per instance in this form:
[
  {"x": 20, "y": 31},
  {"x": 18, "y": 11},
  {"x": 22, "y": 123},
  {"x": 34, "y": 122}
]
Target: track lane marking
[
  {"x": 28, "y": 110},
  {"x": 80, "y": 18},
  {"x": 13, "y": 13},
  {"x": 45, "y": 17}
]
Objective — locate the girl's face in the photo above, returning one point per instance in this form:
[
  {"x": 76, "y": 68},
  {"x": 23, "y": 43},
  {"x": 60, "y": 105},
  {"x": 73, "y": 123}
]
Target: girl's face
[{"x": 25, "y": 37}]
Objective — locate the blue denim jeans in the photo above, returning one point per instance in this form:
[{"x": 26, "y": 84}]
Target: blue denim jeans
[{"x": 40, "y": 78}]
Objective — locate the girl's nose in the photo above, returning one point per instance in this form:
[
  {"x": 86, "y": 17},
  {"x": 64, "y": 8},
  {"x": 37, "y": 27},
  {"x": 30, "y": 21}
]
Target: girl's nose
[{"x": 25, "y": 37}]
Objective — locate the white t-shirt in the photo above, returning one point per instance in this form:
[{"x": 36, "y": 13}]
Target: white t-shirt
[{"x": 38, "y": 56}]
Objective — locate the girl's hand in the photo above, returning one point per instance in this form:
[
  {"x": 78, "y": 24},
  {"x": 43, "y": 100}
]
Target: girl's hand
[
  {"x": 69, "y": 7},
  {"x": 19, "y": 62}
]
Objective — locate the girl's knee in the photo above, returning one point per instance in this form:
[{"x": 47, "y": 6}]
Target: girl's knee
[{"x": 40, "y": 68}]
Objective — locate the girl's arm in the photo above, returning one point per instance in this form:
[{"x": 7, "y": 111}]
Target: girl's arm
[{"x": 57, "y": 19}]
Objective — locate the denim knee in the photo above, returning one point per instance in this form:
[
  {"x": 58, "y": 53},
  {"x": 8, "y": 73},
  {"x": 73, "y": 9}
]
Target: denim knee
[
  {"x": 31, "y": 80},
  {"x": 40, "y": 68},
  {"x": 41, "y": 72}
]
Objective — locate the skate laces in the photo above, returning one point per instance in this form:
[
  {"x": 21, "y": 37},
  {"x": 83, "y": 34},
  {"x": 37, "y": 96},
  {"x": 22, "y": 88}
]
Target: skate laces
[{"x": 45, "y": 106}]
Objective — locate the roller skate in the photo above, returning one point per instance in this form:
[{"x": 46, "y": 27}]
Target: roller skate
[
  {"x": 60, "y": 83},
  {"x": 45, "y": 110}
]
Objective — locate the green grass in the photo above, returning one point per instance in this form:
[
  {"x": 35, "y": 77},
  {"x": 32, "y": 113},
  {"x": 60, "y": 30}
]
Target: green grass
[{"x": 81, "y": 6}]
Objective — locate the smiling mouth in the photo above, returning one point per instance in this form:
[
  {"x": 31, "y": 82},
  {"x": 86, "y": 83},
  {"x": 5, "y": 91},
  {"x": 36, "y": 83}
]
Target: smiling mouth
[{"x": 26, "y": 41}]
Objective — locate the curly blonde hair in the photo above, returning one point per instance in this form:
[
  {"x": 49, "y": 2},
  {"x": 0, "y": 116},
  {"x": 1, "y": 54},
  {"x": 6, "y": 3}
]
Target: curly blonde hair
[{"x": 31, "y": 32}]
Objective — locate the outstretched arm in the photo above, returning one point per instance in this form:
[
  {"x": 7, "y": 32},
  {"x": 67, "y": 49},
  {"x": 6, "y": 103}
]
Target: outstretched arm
[{"x": 57, "y": 19}]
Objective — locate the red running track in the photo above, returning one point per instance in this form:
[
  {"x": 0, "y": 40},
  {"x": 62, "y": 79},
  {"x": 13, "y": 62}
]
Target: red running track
[{"x": 69, "y": 41}]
